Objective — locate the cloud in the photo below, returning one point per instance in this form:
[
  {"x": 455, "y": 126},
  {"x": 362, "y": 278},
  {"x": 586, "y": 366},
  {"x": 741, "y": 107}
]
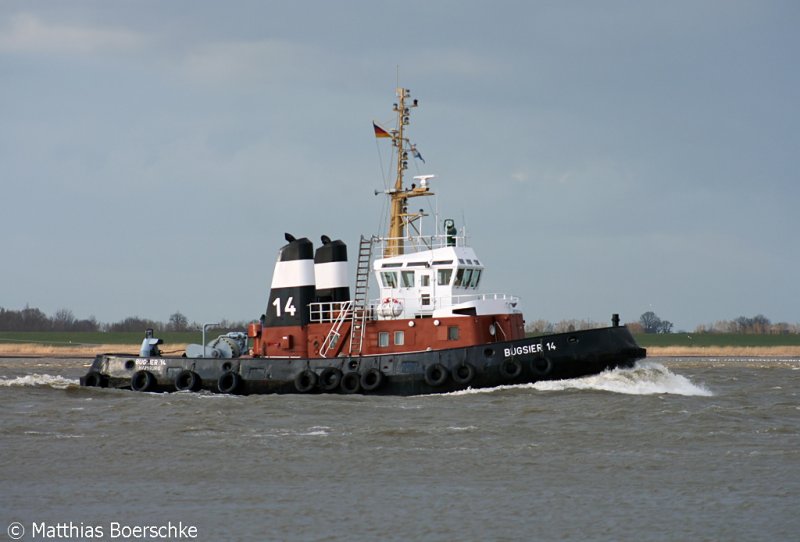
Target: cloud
[
  {"x": 462, "y": 63},
  {"x": 28, "y": 33},
  {"x": 520, "y": 176},
  {"x": 253, "y": 62}
]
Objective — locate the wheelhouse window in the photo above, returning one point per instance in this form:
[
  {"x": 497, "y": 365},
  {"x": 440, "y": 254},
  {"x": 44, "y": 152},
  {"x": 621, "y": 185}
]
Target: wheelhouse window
[
  {"x": 389, "y": 279},
  {"x": 467, "y": 278},
  {"x": 399, "y": 338},
  {"x": 425, "y": 279},
  {"x": 383, "y": 339},
  {"x": 476, "y": 278},
  {"x": 407, "y": 279},
  {"x": 443, "y": 276}
]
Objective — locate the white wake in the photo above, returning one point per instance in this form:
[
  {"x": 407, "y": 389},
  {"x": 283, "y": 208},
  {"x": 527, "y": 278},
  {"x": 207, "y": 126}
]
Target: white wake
[
  {"x": 39, "y": 380},
  {"x": 645, "y": 378}
]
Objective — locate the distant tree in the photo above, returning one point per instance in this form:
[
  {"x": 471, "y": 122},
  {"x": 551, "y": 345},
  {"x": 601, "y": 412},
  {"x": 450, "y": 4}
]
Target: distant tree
[
  {"x": 650, "y": 322},
  {"x": 34, "y": 320},
  {"x": 134, "y": 323},
  {"x": 63, "y": 320},
  {"x": 567, "y": 326},
  {"x": 178, "y": 322},
  {"x": 88, "y": 324},
  {"x": 634, "y": 327},
  {"x": 758, "y": 325},
  {"x": 761, "y": 324},
  {"x": 539, "y": 326}
]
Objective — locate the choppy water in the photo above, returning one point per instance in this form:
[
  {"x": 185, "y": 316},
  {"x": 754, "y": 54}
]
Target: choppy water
[{"x": 698, "y": 449}]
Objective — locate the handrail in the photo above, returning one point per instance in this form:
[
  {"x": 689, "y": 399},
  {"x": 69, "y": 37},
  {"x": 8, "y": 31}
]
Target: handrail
[
  {"x": 328, "y": 311},
  {"x": 332, "y": 311},
  {"x": 421, "y": 243}
]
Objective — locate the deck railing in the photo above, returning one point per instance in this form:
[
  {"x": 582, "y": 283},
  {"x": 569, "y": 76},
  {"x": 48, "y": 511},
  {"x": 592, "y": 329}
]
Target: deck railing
[
  {"x": 330, "y": 311},
  {"x": 420, "y": 243}
]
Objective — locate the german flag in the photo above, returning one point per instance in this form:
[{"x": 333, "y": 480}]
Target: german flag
[{"x": 380, "y": 132}]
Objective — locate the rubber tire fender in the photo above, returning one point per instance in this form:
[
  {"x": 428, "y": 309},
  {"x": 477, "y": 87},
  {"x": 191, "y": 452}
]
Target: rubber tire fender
[
  {"x": 542, "y": 366},
  {"x": 229, "y": 382},
  {"x": 305, "y": 381},
  {"x": 188, "y": 381},
  {"x": 436, "y": 374},
  {"x": 94, "y": 380},
  {"x": 463, "y": 374},
  {"x": 329, "y": 379},
  {"x": 351, "y": 382},
  {"x": 510, "y": 368},
  {"x": 143, "y": 381},
  {"x": 372, "y": 379}
]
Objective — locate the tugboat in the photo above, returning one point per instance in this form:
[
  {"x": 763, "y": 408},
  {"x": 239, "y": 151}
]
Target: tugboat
[{"x": 431, "y": 329}]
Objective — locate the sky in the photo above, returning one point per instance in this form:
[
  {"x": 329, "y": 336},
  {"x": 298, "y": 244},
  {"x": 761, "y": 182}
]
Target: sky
[{"x": 605, "y": 157}]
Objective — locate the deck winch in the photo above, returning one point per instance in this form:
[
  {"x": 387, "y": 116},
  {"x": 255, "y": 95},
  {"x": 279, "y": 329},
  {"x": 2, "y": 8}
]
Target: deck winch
[{"x": 230, "y": 345}]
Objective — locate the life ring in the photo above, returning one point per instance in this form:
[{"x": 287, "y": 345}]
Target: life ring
[
  {"x": 94, "y": 380},
  {"x": 542, "y": 366},
  {"x": 390, "y": 307},
  {"x": 188, "y": 381},
  {"x": 351, "y": 382},
  {"x": 372, "y": 379},
  {"x": 463, "y": 374},
  {"x": 510, "y": 368},
  {"x": 305, "y": 381},
  {"x": 143, "y": 381},
  {"x": 229, "y": 382},
  {"x": 329, "y": 378},
  {"x": 436, "y": 374}
]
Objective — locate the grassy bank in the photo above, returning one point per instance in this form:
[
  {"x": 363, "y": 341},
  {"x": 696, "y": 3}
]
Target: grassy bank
[
  {"x": 719, "y": 345},
  {"x": 726, "y": 340},
  {"x": 64, "y": 338},
  {"x": 56, "y": 343}
]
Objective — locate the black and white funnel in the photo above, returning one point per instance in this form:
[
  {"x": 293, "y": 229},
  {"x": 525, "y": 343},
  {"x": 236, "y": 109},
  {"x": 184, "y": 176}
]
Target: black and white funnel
[
  {"x": 330, "y": 271},
  {"x": 292, "y": 285}
]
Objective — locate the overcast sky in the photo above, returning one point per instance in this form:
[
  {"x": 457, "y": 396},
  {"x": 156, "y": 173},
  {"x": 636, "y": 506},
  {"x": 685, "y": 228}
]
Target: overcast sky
[{"x": 616, "y": 156}]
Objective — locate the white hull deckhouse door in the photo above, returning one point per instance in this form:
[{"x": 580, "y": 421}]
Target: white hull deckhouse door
[{"x": 426, "y": 291}]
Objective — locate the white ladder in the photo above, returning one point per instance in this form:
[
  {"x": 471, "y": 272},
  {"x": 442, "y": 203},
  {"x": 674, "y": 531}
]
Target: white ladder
[{"x": 332, "y": 339}]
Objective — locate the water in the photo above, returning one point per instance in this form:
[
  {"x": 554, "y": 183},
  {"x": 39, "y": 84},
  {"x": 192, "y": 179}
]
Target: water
[{"x": 693, "y": 449}]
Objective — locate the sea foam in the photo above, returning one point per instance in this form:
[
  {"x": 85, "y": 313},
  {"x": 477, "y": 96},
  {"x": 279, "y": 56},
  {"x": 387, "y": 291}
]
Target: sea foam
[
  {"x": 645, "y": 378},
  {"x": 39, "y": 380}
]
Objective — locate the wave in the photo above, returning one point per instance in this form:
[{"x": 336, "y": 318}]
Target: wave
[
  {"x": 40, "y": 381},
  {"x": 645, "y": 378}
]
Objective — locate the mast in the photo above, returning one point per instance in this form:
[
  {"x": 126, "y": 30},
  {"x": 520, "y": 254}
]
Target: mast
[{"x": 399, "y": 217}]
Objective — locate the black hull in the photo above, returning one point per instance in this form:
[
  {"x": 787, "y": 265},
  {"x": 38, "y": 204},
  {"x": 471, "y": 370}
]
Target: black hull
[{"x": 549, "y": 357}]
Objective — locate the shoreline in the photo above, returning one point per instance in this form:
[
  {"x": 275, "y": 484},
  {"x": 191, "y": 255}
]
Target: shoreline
[
  {"x": 723, "y": 351},
  {"x": 76, "y": 351},
  {"x": 30, "y": 350}
]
